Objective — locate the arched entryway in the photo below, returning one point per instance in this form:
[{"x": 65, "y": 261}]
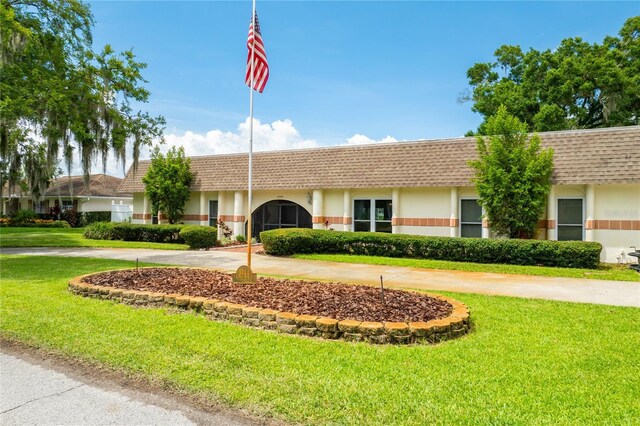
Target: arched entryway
[{"x": 279, "y": 214}]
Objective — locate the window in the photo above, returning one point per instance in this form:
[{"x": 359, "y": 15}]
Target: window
[
  {"x": 67, "y": 205},
  {"x": 470, "y": 219},
  {"x": 570, "y": 219},
  {"x": 280, "y": 215},
  {"x": 368, "y": 219},
  {"x": 41, "y": 207},
  {"x": 362, "y": 215},
  {"x": 213, "y": 212}
]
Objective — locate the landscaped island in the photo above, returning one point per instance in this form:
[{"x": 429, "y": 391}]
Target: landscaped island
[{"x": 329, "y": 310}]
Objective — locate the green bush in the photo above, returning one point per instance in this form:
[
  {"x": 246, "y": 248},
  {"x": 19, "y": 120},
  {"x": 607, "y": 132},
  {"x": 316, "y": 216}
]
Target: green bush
[
  {"x": 73, "y": 217},
  {"x": 34, "y": 223},
  {"x": 131, "y": 232},
  {"x": 568, "y": 254},
  {"x": 22, "y": 216},
  {"x": 92, "y": 217},
  {"x": 199, "y": 236},
  {"x": 100, "y": 231}
]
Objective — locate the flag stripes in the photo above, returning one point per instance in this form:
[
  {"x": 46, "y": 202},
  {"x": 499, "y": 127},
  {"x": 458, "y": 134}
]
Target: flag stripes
[{"x": 260, "y": 64}]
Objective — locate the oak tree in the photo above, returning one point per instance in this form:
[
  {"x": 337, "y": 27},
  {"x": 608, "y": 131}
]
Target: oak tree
[
  {"x": 578, "y": 85},
  {"x": 60, "y": 99}
]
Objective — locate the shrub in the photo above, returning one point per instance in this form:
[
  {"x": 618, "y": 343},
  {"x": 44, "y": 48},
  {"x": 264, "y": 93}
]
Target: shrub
[
  {"x": 72, "y": 217},
  {"x": 224, "y": 229},
  {"x": 22, "y": 216},
  {"x": 241, "y": 238},
  {"x": 92, "y": 217},
  {"x": 199, "y": 236},
  {"x": 38, "y": 223},
  {"x": 570, "y": 254},
  {"x": 100, "y": 231},
  {"x": 34, "y": 223},
  {"x": 132, "y": 232}
]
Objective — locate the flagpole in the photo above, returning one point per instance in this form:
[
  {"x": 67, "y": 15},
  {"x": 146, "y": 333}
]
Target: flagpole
[{"x": 250, "y": 195}]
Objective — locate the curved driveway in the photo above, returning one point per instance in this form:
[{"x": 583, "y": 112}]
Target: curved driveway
[{"x": 617, "y": 293}]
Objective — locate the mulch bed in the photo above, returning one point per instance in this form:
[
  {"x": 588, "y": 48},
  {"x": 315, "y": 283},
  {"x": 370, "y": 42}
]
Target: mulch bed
[{"x": 334, "y": 300}]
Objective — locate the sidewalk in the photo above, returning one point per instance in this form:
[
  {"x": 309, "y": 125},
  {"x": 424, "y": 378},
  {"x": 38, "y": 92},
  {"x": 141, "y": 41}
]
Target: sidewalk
[
  {"x": 616, "y": 293},
  {"x": 35, "y": 391}
]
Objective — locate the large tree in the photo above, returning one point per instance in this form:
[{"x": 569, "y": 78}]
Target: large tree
[
  {"x": 512, "y": 176},
  {"x": 167, "y": 183},
  {"x": 575, "y": 86},
  {"x": 60, "y": 99}
]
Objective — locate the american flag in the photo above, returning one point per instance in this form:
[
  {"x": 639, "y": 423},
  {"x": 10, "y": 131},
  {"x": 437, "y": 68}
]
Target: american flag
[{"x": 260, "y": 65}]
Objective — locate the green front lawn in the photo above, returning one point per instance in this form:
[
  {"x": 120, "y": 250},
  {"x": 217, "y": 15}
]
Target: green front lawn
[
  {"x": 526, "y": 361},
  {"x": 69, "y": 237},
  {"x": 605, "y": 272}
]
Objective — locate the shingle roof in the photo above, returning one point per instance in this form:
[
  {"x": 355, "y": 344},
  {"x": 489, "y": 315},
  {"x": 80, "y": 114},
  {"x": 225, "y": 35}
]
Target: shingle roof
[
  {"x": 610, "y": 155},
  {"x": 100, "y": 185}
]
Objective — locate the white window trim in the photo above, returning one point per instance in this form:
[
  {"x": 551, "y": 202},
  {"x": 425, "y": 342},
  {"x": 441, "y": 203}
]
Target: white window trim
[
  {"x": 469, "y": 223},
  {"x": 372, "y": 213},
  {"x": 558, "y": 215}
]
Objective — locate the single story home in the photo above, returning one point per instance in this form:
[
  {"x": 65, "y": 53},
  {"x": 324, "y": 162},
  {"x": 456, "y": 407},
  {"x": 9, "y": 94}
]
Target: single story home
[
  {"x": 70, "y": 192},
  {"x": 421, "y": 188}
]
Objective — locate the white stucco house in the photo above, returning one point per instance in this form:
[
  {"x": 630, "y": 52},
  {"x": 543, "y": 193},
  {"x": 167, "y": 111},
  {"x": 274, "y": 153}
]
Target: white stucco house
[
  {"x": 420, "y": 187},
  {"x": 70, "y": 192}
]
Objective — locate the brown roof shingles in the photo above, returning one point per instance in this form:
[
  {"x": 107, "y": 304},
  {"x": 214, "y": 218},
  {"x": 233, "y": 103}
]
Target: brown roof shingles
[
  {"x": 100, "y": 185},
  {"x": 609, "y": 155}
]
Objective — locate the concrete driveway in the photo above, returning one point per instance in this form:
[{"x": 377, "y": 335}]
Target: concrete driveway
[{"x": 616, "y": 293}]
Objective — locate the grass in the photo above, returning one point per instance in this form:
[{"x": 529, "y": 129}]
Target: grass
[
  {"x": 526, "y": 361},
  {"x": 69, "y": 237},
  {"x": 605, "y": 272}
]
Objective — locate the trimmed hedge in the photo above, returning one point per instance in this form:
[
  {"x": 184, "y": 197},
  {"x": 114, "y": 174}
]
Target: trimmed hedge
[
  {"x": 567, "y": 254},
  {"x": 131, "y": 232},
  {"x": 199, "y": 236},
  {"x": 92, "y": 217},
  {"x": 35, "y": 223}
]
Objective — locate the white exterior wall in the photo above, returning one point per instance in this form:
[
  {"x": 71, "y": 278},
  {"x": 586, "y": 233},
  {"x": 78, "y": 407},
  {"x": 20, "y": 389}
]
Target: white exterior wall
[
  {"x": 225, "y": 203},
  {"x": 570, "y": 191},
  {"x": 619, "y": 205},
  {"x": 425, "y": 203},
  {"x": 334, "y": 208},
  {"x": 191, "y": 208},
  {"x": 193, "y": 204},
  {"x": 615, "y": 207},
  {"x": 298, "y": 197},
  {"x": 101, "y": 204},
  {"x": 139, "y": 206}
]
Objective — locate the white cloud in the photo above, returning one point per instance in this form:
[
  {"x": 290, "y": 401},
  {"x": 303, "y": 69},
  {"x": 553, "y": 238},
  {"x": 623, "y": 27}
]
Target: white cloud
[
  {"x": 278, "y": 135},
  {"x": 266, "y": 137},
  {"x": 359, "y": 139}
]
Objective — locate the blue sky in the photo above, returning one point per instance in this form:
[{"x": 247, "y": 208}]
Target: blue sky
[{"x": 341, "y": 71}]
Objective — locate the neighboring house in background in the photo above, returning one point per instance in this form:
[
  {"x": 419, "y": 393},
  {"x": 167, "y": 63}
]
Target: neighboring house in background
[
  {"x": 420, "y": 188},
  {"x": 70, "y": 193}
]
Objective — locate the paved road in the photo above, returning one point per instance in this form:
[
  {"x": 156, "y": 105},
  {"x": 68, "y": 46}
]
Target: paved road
[
  {"x": 31, "y": 394},
  {"x": 617, "y": 293}
]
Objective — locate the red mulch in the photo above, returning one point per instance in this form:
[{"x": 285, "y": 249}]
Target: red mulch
[{"x": 334, "y": 300}]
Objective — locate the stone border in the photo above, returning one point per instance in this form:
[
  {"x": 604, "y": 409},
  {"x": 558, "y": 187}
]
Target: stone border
[{"x": 434, "y": 331}]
